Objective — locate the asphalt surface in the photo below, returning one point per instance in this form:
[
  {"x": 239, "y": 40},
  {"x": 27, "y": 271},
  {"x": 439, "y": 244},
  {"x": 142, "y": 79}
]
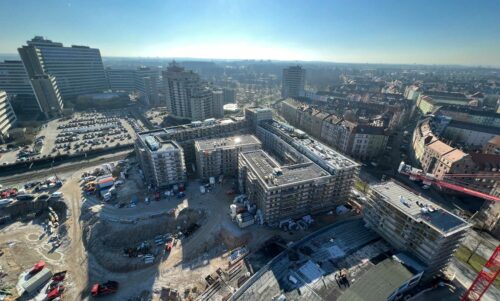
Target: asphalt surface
[{"x": 68, "y": 167}]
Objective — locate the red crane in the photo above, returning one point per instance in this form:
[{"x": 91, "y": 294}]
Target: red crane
[
  {"x": 484, "y": 279},
  {"x": 428, "y": 178}
]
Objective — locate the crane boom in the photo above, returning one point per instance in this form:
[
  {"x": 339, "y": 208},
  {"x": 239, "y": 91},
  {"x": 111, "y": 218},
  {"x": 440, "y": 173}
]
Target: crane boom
[{"x": 427, "y": 178}]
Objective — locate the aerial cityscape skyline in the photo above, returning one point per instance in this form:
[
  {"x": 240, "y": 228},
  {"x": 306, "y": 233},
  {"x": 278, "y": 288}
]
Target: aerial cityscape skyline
[
  {"x": 395, "y": 32},
  {"x": 248, "y": 150}
]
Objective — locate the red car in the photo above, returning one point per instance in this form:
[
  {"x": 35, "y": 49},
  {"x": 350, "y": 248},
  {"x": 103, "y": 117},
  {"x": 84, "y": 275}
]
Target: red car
[
  {"x": 56, "y": 292},
  {"x": 106, "y": 288}
]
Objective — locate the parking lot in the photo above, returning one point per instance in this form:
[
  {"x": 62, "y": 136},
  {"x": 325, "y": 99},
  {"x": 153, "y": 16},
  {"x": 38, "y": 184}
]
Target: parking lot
[{"x": 83, "y": 132}]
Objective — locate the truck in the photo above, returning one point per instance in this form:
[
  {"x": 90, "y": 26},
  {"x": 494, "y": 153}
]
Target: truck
[
  {"x": 106, "y": 288},
  {"x": 34, "y": 282}
]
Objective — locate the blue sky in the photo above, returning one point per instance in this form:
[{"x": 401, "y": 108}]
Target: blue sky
[{"x": 382, "y": 31}]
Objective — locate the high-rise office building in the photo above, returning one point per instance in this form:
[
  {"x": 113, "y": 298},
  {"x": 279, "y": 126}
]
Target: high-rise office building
[
  {"x": 147, "y": 85},
  {"x": 7, "y": 116},
  {"x": 77, "y": 70},
  {"x": 15, "y": 81},
  {"x": 121, "y": 80},
  {"x": 144, "y": 81},
  {"x": 294, "y": 81},
  {"x": 218, "y": 104},
  {"x": 186, "y": 95}
]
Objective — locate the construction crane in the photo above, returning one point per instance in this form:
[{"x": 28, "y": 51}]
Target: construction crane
[
  {"x": 484, "y": 279},
  {"x": 491, "y": 269},
  {"x": 429, "y": 179}
]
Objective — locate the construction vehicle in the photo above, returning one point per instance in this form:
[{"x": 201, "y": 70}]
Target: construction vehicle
[
  {"x": 429, "y": 179},
  {"x": 101, "y": 289},
  {"x": 55, "y": 292}
]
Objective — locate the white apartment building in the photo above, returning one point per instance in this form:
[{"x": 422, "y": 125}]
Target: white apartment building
[
  {"x": 162, "y": 161},
  {"x": 219, "y": 156},
  {"x": 414, "y": 224}
]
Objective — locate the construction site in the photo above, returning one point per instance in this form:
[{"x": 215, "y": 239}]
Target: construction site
[
  {"x": 274, "y": 219},
  {"x": 185, "y": 242}
]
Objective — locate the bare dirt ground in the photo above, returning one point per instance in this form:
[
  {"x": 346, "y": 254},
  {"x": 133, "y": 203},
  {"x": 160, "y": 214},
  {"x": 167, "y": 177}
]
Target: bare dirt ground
[{"x": 24, "y": 244}]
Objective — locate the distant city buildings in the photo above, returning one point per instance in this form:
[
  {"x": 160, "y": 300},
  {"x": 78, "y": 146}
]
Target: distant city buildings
[
  {"x": 217, "y": 103},
  {"x": 7, "y": 116},
  {"x": 293, "y": 83},
  {"x": 219, "y": 156},
  {"x": 414, "y": 224},
  {"x": 428, "y": 102},
  {"x": 75, "y": 70},
  {"x": 144, "y": 81},
  {"x": 187, "y": 96},
  {"x": 162, "y": 161},
  {"x": 229, "y": 95},
  {"x": 362, "y": 141}
]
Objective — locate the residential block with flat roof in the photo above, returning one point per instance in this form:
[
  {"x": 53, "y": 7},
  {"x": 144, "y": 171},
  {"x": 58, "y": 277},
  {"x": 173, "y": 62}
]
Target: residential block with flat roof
[
  {"x": 219, "y": 156},
  {"x": 414, "y": 224}
]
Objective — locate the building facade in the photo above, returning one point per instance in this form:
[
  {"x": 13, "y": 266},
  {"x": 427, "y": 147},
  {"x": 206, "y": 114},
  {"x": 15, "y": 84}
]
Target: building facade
[
  {"x": 293, "y": 83},
  {"x": 218, "y": 103},
  {"x": 7, "y": 116},
  {"x": 310, "y": 178},
  {"x": 361, "y": 141},
  {"x": 414, "y": 224},
  {"x": 77, "y": 70},
  {"x": 15, "y": 81},
  {"x": 219, "y": 156},
  {"x": 47, "y": 94},
  {"x": 162, "y": 161},
  {"x": 187, "y": 96},
  {"x": 229, "y": 95}
]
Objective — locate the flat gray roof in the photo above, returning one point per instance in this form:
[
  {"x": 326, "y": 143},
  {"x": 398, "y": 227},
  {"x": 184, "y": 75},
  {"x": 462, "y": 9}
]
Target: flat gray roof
[
  {"x": 226, "y": 142},
  {"x": 420, "y": 208},
  {"x": 378, "y": 283},
  {"x": 273, "y": 174},
  {"x": 315, "y": 150},
  {"x": 155, "y": 143}
]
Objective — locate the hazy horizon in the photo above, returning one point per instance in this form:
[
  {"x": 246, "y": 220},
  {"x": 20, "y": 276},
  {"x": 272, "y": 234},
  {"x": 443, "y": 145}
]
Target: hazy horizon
[{"x": 448, "y": 32}]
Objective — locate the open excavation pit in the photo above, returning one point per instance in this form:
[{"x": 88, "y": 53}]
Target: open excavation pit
[
  {"x": 29, "y": 210},
  {"x": 122, "y": 247}
]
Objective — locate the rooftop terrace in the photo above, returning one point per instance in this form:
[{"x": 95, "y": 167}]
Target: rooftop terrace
[{"x": 419, "y": 208}]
